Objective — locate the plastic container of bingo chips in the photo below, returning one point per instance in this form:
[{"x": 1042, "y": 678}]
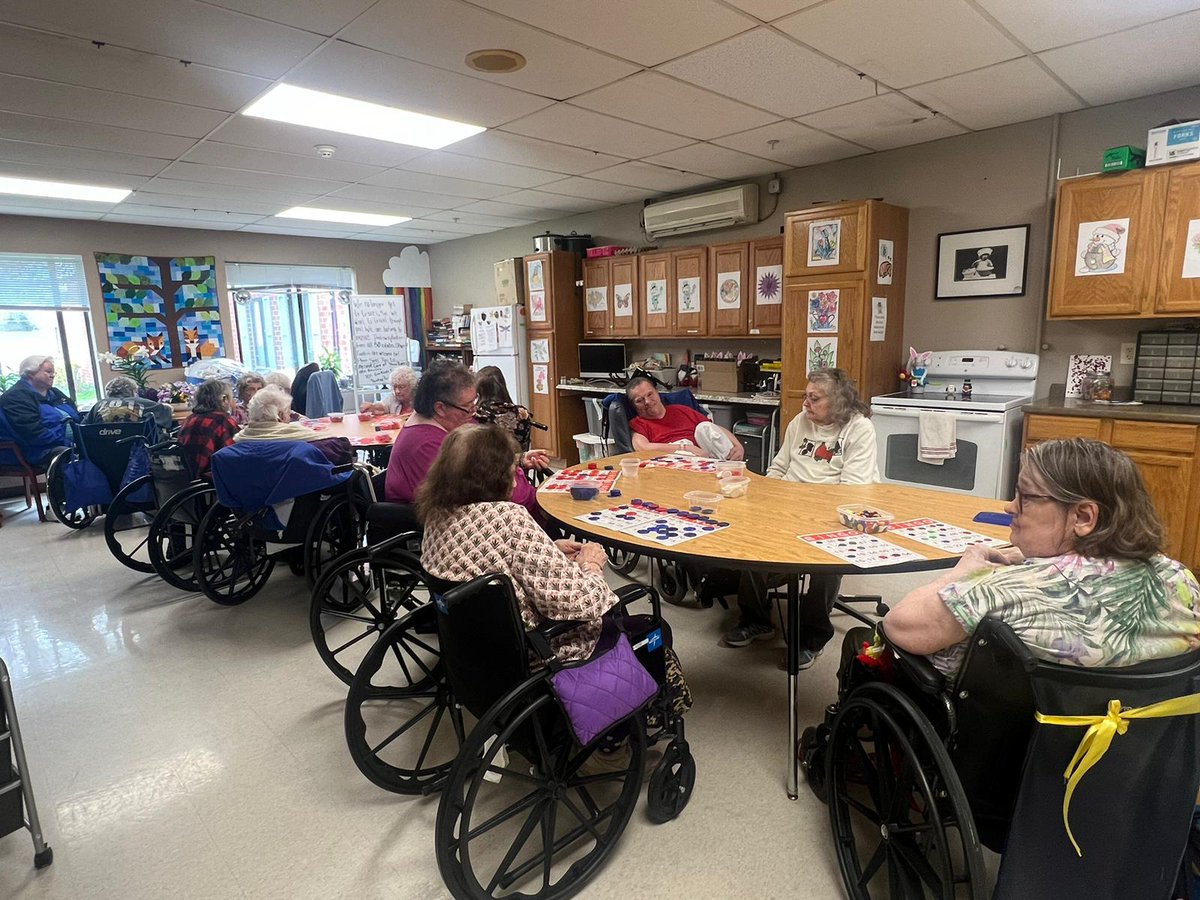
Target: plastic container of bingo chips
[
  {"x": 868, "y": 520},
  {"x": 336, "y": 416},
  {"x": 735, "y": 486},
  {"x": 730, "y": 469},
  {"x": 585, "y": 490},
  {"x": 631, "y": 467}
]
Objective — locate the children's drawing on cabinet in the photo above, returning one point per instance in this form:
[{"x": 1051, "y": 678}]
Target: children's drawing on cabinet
[
  {"x": 1102, "y": 247},
  {"x": 768, "y": 285},
  {"x": 689, "y": 295},
  {"x": 536, "y": 281},
  {"x": 825, "y": 242},
  {"x": 823, "y": 311},
  {"x": 537, "y": 306},
  {"x": 539, "y": 350},
  {"x": 1191, "y": 250},
  {"x": 541, "y": 379},
  {"x": 623, "y": 300},
  {"x": 656, "y": 296},
  {"x": 887, "y": 257},
  {"x": 822, "y": 353}
]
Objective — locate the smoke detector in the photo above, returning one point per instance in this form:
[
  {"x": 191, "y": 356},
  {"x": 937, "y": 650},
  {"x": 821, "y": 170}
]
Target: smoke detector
[
  {"x": 495, "y": 62},
  {"x": 325, "y": 151}
]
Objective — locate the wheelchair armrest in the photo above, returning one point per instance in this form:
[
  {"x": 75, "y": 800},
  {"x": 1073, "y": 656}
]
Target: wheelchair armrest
[
  {"x": 539, "y": 638},
  {"x": 629, "y": 593},
  {"x": 916, "y": 667}
]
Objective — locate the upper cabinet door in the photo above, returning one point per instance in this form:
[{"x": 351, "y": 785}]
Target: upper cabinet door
[
  {"x": 1179, "y": 267},
  {"x": 539, "y": 299},
  {"x": 597, "y": 298},
  {"x": 730, "y": 288},
  {"x": 826, "y": 240},
  {"x": 764, "y": 295},
  {"x": 1107, "y": 234},
  {"x": 658, "y": 294},
  {"x": 627, "y": 296},
  {"x": 691, "y": 289}
]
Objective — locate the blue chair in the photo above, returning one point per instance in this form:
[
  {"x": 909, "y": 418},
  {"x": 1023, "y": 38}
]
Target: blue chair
[{"x": 618, "y": 411}]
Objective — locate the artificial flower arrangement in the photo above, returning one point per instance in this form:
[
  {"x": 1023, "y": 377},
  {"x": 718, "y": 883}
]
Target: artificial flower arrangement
[
  {"x": 136, "y": 366},
  {"x": 177, "y": 392}
]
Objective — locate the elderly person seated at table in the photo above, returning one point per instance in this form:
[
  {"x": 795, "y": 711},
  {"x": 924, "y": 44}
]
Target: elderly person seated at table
[
  {"x": 1085, "y": 582},
  {"x": 831, "y": 441},
  {"x": 270, "y": 415},
  {"x": 445, "y": 401},
  {"x": 121, "y": 403},
  {"x": 677, "y": 427},
  {"x": 245, "y": 389},
  {"x": 210, "y": 426},
  {"x": 34, "y": 412},
  {"x": 403, "y": 382}
]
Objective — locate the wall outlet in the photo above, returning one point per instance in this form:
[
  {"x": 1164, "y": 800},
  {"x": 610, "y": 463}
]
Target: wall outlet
[{"x": 1127, "y": 352}]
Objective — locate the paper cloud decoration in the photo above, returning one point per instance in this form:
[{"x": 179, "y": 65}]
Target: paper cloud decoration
[{"x": 409, "y": 269}]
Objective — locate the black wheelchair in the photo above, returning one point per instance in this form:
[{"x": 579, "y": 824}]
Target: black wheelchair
[
  {"x": 108, "y": 446},
  {"x": 171, "y": 541},
  {"x": 919, "y": 771},
  {"x": 129, "y": 519}
]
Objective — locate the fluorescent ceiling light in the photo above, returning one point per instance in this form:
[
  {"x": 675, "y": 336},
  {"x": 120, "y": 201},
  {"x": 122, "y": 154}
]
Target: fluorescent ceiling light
[
  {"x": 340, "y": 215},
  {"x": 316, "y": 109},
  {"x": 61, "y": 190}
]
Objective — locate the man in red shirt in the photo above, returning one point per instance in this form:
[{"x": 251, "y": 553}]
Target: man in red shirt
[{"x": 676, "y": 427}]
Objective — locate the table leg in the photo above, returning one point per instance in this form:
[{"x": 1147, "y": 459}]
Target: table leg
[{"x": 793, "y": 666}]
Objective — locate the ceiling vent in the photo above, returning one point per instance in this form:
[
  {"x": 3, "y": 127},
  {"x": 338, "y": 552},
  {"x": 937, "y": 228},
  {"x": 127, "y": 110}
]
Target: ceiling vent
[{"x": 702, "y": 212}]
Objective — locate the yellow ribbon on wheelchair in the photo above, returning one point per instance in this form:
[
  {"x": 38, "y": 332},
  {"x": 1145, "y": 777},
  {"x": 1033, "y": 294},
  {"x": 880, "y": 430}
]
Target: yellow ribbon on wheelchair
[{"x": 1099, "y": 736}]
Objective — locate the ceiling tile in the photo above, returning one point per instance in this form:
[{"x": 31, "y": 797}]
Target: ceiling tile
[
  {"x": 345, "y": 69},
  {"x": 651, "y": 177},
  {"x": 474, "y": 218},
  {"x": 34, "y": 97},
  {"x": 1041, "y": 24},
  {"x": 47, "y": 213},
  {"x": 64, "y": 133},
  {"x": 654, "y": 99},
  {"x": 186, "y": 171},
  {"x": 217, "y": 154},
  {"x": 595, "y": 190},
  {"x": 454, "y": 166},
  {"x": 205, "y": 224},
  {"x": 130, "y": 210},
  {"x": 646, "y": 31},
  {"x": 231, "y": 196},
  {"x": 73, "y": 60},
  {"x": 263, "y": 134},
  {"x": 552, "y": 202},
  {"x": 71, "y": 174},
  {"x": 591, "y": 130},
  {"x": 403, "y": 239},
  {"x": 437, "y": 184},
  {"x": 795, "y": 145},
  {"x": 46, "y": 206},
  {"x": 1145, "y": 60},
  {"x": 1014, "y": 91},
  {"x": 883, "y": 123},
  {"x": 400, "y": 197},
  {"x": 718, "y": 162},
  {"x": 445, "y": 32},
  {"x": 458, "y": 228},
  {"x": 210, "y": 205},
  {"x": 527, "y": 151},
  {"x": 77, "y": 158},
  {"x": 298, "y": 232},
  {"x": 904, "y": 43},
  {"x": 523, "y": 214},
  {"x": 305, "y": 225},
  {"x": 410, "y": 231},
  {"x": 768, "y": 10},
  {"x": 800, "y": 80},
  {"x": 320, "y": 16},
  {"x": 383, "y": 207},
  {"x": 177, "y": 29}
]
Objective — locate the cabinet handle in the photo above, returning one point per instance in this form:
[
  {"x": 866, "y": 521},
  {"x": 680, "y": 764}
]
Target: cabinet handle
[{"x": 693, "y": 330}]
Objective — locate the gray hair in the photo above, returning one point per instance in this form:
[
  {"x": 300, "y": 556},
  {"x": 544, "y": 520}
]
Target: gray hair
[
  {"x": 636, "y": 382},
  {"x": 247, "y": 381},
  {"x": 209, "y": 394},
  {"x": 30, "y": 364},
  {"x": 444, "y": 381},
  {"x": 121, "y": 386},
  {"x": 844, "y": 402},
  {"x": 403, "y": 380},
  {"x": 271, "y": 404},
  {"x": 279, "y": 380}
]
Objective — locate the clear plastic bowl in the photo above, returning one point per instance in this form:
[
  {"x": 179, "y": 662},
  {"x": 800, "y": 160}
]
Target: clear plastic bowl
[
  {"x": 702, "y": 498},
  {"x": 730, "y": 469},
  {"x": 631, "y": 467},
  {"x": 866, "y": 519},
  {"x": 735, "y": 486}
]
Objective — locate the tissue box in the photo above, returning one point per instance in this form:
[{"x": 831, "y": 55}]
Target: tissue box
[
  {"x": 718, "y": 375},
  {"x": 1173, "y": 143},
  {"x": 1120, "y": 159}
]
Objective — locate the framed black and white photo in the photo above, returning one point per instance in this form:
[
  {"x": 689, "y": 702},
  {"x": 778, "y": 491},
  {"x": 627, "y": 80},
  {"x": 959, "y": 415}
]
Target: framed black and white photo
[{"x": 988, "y": 263}]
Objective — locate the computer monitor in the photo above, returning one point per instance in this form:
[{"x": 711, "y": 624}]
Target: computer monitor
[{"x": 601, "y": 360}]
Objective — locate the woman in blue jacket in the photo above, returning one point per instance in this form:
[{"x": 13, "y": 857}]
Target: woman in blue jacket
[{"x": 35, "y": 413}]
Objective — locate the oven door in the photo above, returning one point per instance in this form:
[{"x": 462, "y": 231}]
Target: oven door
[{"x": 977, "y": 468}]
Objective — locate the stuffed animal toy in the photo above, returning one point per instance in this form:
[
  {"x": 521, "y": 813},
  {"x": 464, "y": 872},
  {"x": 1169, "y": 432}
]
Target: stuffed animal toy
[{"x": 918, "y": 367}]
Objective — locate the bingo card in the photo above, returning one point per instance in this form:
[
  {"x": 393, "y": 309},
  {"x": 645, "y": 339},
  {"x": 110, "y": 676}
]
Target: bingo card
[
  {"x": 652, "y": 522},
  {"x": 865, "y": 551},
  {"x": 942, "y": 536}
]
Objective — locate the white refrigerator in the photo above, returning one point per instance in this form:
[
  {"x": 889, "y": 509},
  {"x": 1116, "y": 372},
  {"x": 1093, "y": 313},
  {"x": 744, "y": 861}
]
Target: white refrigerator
[{"x": 498, "y": 339}]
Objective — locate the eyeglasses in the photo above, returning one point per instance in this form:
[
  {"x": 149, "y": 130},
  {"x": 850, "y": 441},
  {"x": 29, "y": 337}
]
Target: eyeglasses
[
  {"x": 643, "y": 401},
  {"x": 1021, "y": 496},
  {"x": 469, "y": 410},
  {"x": 815, "y": 398}
]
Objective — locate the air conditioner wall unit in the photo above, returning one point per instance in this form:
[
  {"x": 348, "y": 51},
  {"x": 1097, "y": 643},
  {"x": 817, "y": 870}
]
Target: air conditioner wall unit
[{"x": 722, "y": 208}]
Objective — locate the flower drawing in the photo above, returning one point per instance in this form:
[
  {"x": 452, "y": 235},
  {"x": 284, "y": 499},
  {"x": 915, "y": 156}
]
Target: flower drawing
[{"x": 768, "y": 286}]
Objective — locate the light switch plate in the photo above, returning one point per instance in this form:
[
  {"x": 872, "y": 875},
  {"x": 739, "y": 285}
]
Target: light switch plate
[{"x": 1127, "y": 352}]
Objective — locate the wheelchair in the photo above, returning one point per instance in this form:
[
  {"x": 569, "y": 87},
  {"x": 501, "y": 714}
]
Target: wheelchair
[
  {"x": 171, "y": 541},
  {"x": 129, "y": 519},
  {"x": 920, "y": 771},
  {"x": 325, "y": 508},
  {"x": 108, "y": 446}
]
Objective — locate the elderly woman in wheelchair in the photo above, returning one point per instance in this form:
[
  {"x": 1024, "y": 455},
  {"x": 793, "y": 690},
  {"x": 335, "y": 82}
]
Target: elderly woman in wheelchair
[{"x": 932, "y": 748}]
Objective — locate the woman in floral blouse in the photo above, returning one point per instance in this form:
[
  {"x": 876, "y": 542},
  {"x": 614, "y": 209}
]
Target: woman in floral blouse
[{"x": 1086, "y": 582}]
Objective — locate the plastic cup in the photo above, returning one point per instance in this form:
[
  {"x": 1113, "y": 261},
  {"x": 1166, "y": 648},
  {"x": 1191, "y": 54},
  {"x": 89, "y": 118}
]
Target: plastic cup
[
  {"x": 336, "y": 416},
  {"x": 735, "y": 486},
  {"x": 630, "y": 467}
]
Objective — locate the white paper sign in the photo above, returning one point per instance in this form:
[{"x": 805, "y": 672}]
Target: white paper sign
[
  {"x": 541, "y": 379},
  {"x": 656, "y": 296},
  {"x": 380, "y": 336},
  {"x": 1191, "y": 250},
  {"x": 1101, "y": 247},
  {"x": 539, "y": 350},
  {"x": 822, "y": 353},
  {"x": 729, "y": 290},
  {"x": 1085, "y": 364},
  {"x": 768, "y": 285},
  {"x": 623, "y": 300},
  {"x": 596, "y": 299},
  {"x": 825, "y": 242},
  {"x": 823, "y": 311},
  {"x": 537, "y": 306},
  {"x": 689, "y": 295},
  {"x": 485, "y": 336},
  {"x": 887, "y": 260},
  {"x": 878, "y": 318}
]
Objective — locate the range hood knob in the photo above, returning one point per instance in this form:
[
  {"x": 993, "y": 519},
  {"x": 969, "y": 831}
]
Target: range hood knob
[
  {"x": 1011, "y": 362},
  {"x": 1027, "y": 364}
]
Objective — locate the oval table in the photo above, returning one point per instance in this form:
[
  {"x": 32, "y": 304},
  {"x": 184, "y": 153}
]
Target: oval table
[
  {"x": 360, "y": 432},
  {"x": 764, "y": 529}
]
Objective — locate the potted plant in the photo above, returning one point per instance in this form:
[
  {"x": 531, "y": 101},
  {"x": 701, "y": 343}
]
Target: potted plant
[
  {"x": 136, "y": 367},
  {"x": 178, "y": 394}
]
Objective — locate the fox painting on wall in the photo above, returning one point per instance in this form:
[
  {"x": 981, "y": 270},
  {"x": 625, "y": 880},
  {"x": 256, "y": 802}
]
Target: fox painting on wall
[{"x": 161, "y": 308}]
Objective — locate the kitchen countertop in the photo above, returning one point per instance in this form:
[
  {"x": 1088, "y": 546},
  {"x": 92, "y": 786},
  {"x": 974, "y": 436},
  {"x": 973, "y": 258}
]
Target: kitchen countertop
[
  {"x": 1148, "y": 412},
  {"x": 745, "y": 398}
]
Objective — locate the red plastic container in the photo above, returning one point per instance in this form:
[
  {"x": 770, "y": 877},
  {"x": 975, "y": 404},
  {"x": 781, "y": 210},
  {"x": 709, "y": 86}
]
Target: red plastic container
[{"x": 607, "y": 250}]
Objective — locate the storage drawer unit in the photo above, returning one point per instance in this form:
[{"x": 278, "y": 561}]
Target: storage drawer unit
[{"x": 1167, "y": 367}]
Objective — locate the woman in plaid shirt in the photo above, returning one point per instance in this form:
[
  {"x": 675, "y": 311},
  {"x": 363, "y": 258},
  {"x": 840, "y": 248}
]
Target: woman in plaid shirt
[{"x": 210, "y": 426}]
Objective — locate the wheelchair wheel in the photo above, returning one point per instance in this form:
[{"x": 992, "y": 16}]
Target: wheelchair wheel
[
  {"x": 671, "y": 783},
  {"x": 622, "y": 561},
  {"x": 402, "y": 725},
  {"x": 127, "y": 525},
  {"x": 172, "y": 540},
  {"x": 538, "y": 826},
  {"x": 673, "y": 582},
  {"x": 901, "y": 822},
  {"x": 231, "y": 565},
  {"x": 338, "y": 528},
  {"x": 356, "y": 598},
  {"x": 56, "y": 494}
]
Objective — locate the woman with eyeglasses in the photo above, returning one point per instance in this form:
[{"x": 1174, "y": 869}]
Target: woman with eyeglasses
[{"x": 1085, "y": 582}]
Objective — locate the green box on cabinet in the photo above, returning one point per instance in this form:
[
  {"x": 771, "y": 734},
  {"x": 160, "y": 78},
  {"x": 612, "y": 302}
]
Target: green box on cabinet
[{"x": 1120, "y": 159}]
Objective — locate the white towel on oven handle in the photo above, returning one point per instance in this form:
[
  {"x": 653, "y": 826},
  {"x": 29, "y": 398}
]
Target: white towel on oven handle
[{"x": 936, "y": 437}]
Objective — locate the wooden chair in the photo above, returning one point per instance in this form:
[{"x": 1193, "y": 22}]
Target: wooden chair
[{"x": 28, "y": 475}]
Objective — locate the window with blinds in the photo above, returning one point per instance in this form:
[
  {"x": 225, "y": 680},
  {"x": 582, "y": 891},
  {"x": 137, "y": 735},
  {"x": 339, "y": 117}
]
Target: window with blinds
[{"x": 42, "y": 281}]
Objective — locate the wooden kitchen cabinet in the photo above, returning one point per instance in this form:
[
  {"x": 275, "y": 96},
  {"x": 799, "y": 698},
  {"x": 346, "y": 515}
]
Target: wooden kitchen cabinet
[
  {"x": 1166, "y": 456},
  {"x": 691, "y": 291},
  {"x": 597, "y": 299},
  {"x": 827, "y": 240},
  {"x": 766, "y": 262},
  {"x": 1179, "y": 296},
  {"x": 658, "y": 296},
  {"x": 626, "y": 288},
  {"x": 730, "y": 288},
  {"x": 549, "y": 288}
]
